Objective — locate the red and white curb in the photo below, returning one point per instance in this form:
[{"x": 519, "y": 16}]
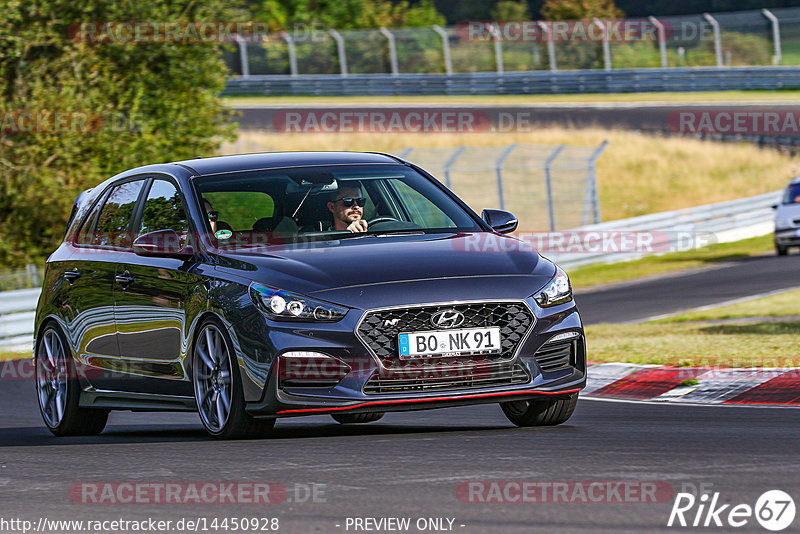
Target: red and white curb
[{"x": 715, "y": 385}]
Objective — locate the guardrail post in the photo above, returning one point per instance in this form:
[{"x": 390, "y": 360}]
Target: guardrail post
[
  {"x": 498, "y": 47},
  {"x": 243, "y": 61},
  {"x": 449, "y": 163},
  {"x": 405, "y": 152},
  {"x": 340, "y": 51},
  {"x": 591, "y": 187},
  {"x": 448, "y": 63},
  {"x": 606, "y": 45},
  {"x": 292, "y": 53},
  {"x": 551, "y": 47},
  {"x": 548, "y": 186},
  {"x": 498, "y": 167},
  {"x": 392, "y": 50},
  {"x": 776, "y": 34},
  {"x": 662, "y": 40},
  {"x": 717, "y": 41}
]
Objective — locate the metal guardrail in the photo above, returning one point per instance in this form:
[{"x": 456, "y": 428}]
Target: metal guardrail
[
  {"x": 17, "y": 311},
  {"x": 532, "y": 82},
  {"x": 675, "y": 231},
  {"x": 719, "y": 223}
]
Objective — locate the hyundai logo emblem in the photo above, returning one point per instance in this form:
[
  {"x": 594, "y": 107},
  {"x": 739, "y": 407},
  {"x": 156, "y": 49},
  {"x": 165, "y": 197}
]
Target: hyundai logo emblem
[{"x": 447, "y": 319}]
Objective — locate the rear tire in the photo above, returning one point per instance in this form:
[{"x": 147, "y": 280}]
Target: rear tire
[
  {"x": 58, "y": 388},
  {"x": 544, "y": 412},
  {"x": 781, "y": 250},
  {"x": 356, "y": 418},
  {"x": 218, "y": 387}
]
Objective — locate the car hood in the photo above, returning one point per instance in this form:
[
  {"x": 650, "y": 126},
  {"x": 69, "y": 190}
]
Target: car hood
[{"x": 395, "y": 270}]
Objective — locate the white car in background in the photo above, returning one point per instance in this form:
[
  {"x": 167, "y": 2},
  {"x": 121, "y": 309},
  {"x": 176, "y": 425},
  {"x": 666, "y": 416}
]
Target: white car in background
[{"x": 787, "y": 218}]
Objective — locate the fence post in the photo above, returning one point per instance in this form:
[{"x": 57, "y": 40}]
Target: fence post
[
  {"x": 449, "y": 163},
  {"x": 548, "y": 186},
  {"x": 498, "y": 47},
  {"x": 776, "y": 34},
  {"x": 591, "y": 187},
  {"x": 498, "y": 167},
  {"x": 292, "y": 53},
  {"x": 243, "y": 60},
  {"x": 662, "y": 41},
  {"x": 448, "y": 63},
  {"x": 606, "y": 45},
  {"x": 551, "y": 47},
  {"x": 717, "y": 41},
  {"x": 340, "y": 51},
  {"x": 392, "y": 50}
]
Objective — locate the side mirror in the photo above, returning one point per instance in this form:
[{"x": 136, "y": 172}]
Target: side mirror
[
  {"x": 774, "y": 206},
  {"x": 500, "y": 221},
  {"x": 162, "y": 244}
]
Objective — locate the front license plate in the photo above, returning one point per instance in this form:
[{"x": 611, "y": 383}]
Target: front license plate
[{"x": 461, "y": 342}]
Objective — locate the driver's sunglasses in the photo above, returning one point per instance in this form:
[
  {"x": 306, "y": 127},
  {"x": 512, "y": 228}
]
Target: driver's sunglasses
[{"x": 349, "y": 201}]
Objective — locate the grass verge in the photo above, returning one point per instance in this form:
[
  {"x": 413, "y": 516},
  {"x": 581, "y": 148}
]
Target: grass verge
[
  {"x": 704, "y": 96},
  {"x": 781, "y": 305},
  {"x": 5, "y": 356},
  {"x": 758, "y": 344},
  {"x": 593, "y": 275}
]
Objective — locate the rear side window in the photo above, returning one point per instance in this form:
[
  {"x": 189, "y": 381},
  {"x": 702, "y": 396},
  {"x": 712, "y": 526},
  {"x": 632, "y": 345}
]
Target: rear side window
[
  {"x": 113, "y": 222},
  {"x": 163, "y": 210},
  {"x": 86, "y": 234}
]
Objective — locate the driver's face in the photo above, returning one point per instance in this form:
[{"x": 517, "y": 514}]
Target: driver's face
[{"x": 342, "y": 213}]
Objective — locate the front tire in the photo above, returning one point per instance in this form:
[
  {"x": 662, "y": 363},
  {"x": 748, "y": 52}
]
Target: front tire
[
  {"x": 356, "y": 418},
  {"x": 218, "y": 387},
  {"x": 58, "y": 389},
  {"x": 781, "y": 250},
  {"x": 544, "y": 412}
]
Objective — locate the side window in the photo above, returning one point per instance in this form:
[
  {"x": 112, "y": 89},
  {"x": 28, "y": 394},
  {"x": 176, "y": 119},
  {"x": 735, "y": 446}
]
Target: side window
[
  {"x": 422, "y": 211},
  {"x": 240, "y": 210},
  {"x": 85, "y": 235},
  {"x": 163, "y": 210},
  {"x": 113, "y": 223}
]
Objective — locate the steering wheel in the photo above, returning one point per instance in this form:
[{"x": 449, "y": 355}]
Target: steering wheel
[{"x": 381, "y": 219}]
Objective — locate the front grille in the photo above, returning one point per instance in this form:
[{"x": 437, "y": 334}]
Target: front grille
[
  {"x": 445, "y": 379},
  {"x": 554, "y": 356},
  {"x": 379, "y": 329}
]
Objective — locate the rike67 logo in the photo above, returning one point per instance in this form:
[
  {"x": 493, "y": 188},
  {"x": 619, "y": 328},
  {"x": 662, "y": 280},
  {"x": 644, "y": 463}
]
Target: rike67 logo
[{"x": 774, "y": 510}]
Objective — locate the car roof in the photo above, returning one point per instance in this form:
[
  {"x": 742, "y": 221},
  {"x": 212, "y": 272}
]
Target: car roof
[
  {"x": 274, "y": 160},
  {"x": 795, "y": 181}
]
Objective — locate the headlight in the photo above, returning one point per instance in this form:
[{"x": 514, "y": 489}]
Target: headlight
[
  {"x": 281, "y": 305},
  {"x": 558, "y": 291},
  {"x": 783, "y": 223}
]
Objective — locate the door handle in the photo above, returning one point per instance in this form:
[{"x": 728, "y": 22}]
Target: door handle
[
  {"x": 124, "y": 279},
  {"x": 71, "y": 275}
]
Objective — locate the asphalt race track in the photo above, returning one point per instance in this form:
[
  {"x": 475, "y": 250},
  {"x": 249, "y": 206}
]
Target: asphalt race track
[
  {"x": 417, "y": 464},
  {"x": 671, "y": 294},
  {"x": 410, "y": 464}
]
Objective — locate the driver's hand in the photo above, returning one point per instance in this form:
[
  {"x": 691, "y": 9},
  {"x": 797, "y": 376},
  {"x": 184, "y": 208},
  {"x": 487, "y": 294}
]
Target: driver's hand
[{"x": 358, "y": 226}]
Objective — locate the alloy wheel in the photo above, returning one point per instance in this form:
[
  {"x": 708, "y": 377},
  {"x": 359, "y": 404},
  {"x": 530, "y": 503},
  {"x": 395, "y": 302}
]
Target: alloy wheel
[
  {"x": 52, "y": 373},
  {"x": 212, "y": 378}
]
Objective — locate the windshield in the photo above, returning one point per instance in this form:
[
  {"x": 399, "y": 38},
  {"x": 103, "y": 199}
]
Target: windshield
[
  {"x": 792, "y": 194},
  {"x": 325, "y": 203}
]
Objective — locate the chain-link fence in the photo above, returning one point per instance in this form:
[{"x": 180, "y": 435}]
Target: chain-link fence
[
  {"x": 757, "y": 37},
  {"x": 547, "y": 187}
]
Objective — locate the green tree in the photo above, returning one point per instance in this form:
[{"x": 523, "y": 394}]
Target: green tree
[
  {"x": 580, "y": 9},
  {"x": 162, "y": 96},
  {"x": 511, "y": 10}
]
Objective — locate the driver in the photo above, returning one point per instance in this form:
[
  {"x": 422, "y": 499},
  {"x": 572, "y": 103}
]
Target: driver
[{"x": 347, "y": 207}]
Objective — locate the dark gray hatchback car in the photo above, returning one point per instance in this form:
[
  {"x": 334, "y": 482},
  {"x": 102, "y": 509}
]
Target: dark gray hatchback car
[{"x": 253, "y": 287}]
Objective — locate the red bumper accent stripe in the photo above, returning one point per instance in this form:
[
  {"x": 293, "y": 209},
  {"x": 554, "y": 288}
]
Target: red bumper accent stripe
[{"x": 483, "y": 395}]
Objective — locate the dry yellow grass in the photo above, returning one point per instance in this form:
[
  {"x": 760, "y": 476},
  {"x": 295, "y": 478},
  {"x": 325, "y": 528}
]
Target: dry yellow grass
[{"x": 637, "y": 174}]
